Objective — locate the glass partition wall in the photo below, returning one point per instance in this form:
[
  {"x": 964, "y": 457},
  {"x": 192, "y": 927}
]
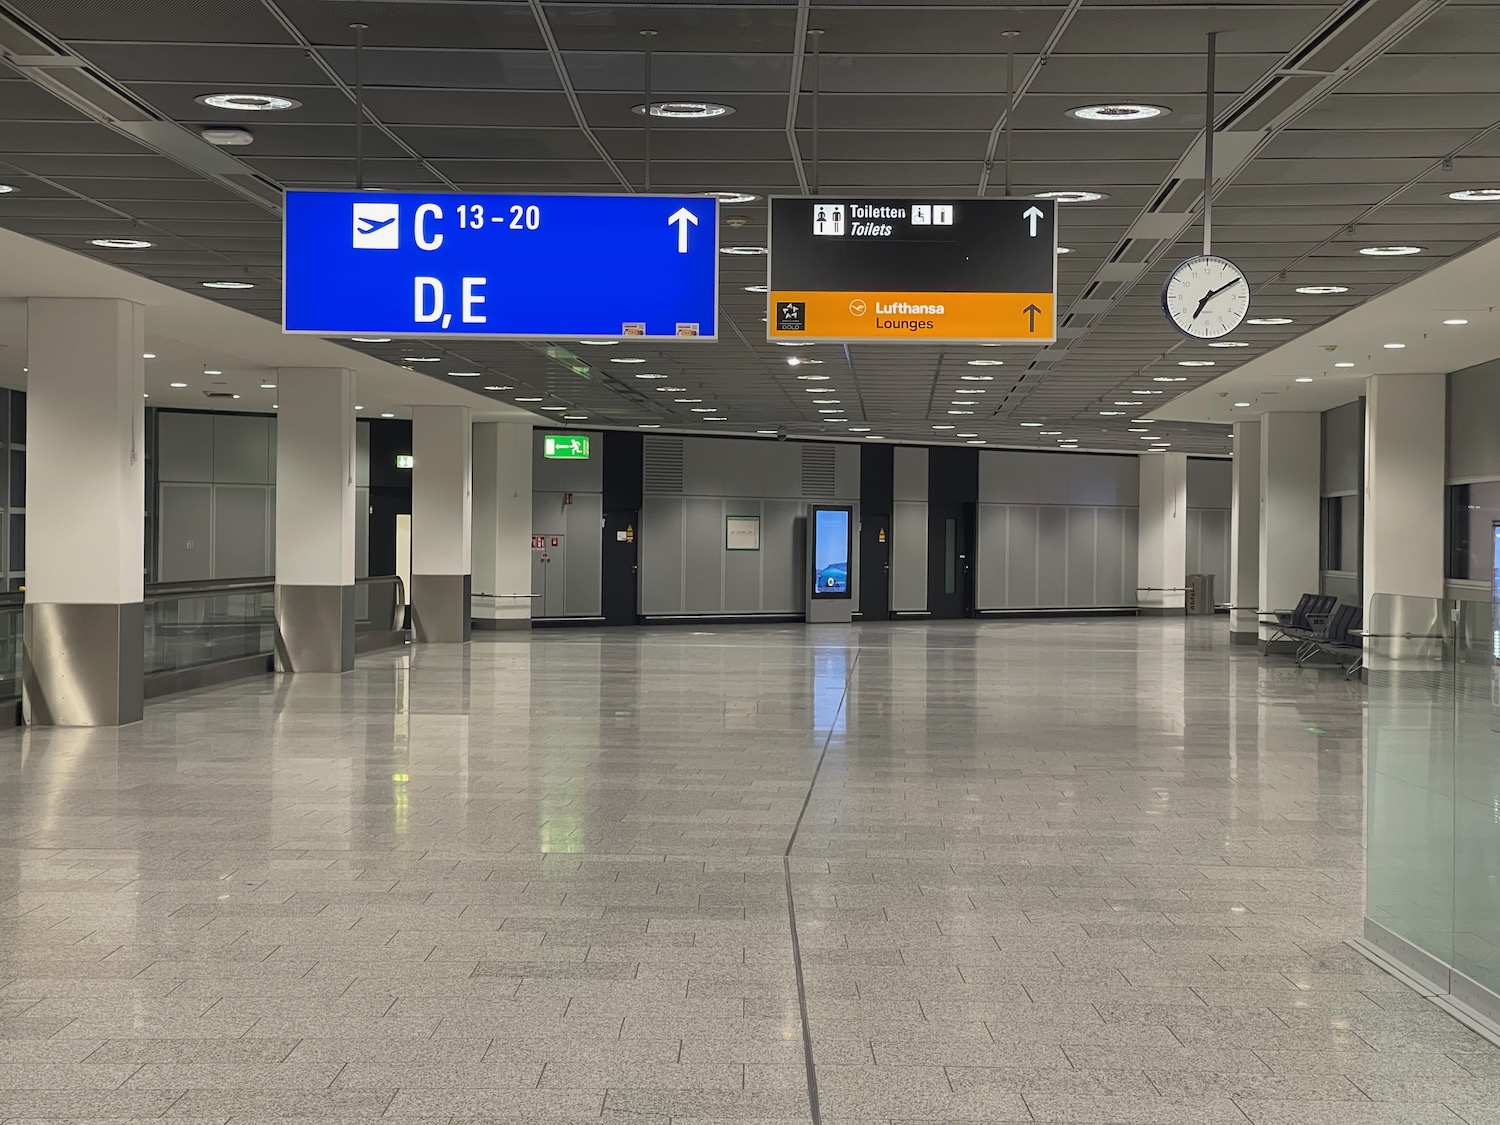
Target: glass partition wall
[{"x": 1432, "y": 904}]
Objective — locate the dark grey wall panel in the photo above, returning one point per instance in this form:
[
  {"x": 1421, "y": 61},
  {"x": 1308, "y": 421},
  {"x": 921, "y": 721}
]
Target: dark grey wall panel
[
  {"x": 1209, "y": 483},
  {"x": 1052, "y": 556},
  {"x": 704, "y": 561},
  {"x": 782, "y": 547},
  {"x": 1474, "y": 423},
  {"x": 661, "y": 539},
  {"x": 909, "y": 544},
  {"x": 1082, "y": 557},
  {"x": 1091, "y": 480},
  {"x": 185, "y": 447},
  {"x": 1343, "y": 450},
  {"x": 741, "y": 568},
  {"x": 241, "y": 549},
  {"x": 1110, "y": 546},
  {"x": 242, "y": 449},
  {"x": 185, "y": 543},
  {"x": 581, "y": 594}
]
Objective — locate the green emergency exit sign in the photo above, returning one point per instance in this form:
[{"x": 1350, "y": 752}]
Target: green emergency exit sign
[{"x": 568, "y": 446}]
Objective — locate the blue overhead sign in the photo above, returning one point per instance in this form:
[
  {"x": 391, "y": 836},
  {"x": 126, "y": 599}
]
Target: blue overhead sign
[{"x": 505, "y": 266}]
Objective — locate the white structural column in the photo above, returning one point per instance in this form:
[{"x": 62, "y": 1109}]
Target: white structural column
[
  {"x": 1244, "y": 536},
  {"x": 1291, "y": 475},
  {"x": 315, "y": 520},
  {"x": 441, "y": 522},
  {"x": 1406, "y": 452},
  {"x": 84, "y": 631},
  {"x": 1162, "y": 563},
  {"x": 502, "y": 526}
]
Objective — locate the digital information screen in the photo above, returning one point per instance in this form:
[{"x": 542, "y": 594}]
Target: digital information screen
[
  {"x": 832, "y": 547},
  {"x": 936, "y": 271},
  {"x": 540, "y": 267}
]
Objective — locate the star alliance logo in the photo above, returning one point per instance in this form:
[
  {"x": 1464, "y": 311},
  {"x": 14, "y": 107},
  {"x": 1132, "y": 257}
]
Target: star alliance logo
[{"x": 791, "y": 316}]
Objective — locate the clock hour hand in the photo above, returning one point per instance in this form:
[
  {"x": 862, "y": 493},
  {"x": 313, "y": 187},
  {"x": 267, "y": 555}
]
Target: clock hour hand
[{"x": 1212, "y": 293}]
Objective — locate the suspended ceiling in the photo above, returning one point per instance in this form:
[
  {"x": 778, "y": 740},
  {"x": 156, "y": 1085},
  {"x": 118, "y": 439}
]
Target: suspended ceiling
[{"x": 1343, "y": 125}]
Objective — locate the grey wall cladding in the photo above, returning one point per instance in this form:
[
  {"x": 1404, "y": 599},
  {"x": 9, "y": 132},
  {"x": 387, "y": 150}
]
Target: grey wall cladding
[{"x": 216, "y": 496}]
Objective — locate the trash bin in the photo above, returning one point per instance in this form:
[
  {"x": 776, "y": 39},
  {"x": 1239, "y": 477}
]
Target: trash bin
[{"x": 1200, "y": 593}]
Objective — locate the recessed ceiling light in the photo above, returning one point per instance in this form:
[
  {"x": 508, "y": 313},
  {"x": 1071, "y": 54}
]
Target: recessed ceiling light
[
  {"x": 387, "y": 414},
  {"x": 874, "y": 437},
  {"x": 212, "y": 371},
  {"x": 422, "y": 359},
  {"x": 1304, "y": 378},
  {"x": 1476, "y": 195},
  {"x": 826, "y": 401},
  {"x": 835, "y": 419},
  {"x": 227, "y": 137},
  {"x": 599, "y": 343},
  {"x": 1195, "y": 363},
  {"x": 768, "y": 433},
  {"x": 1456, "y": 320},
  {"x": 177, "y": 386},
  {"x": 528, "y": 399},
  {"x": 794, "y": 343},
  {"x": 977, "y": 378},
  {"x": 1390, "y": 251},
  {"x": 464, "y": 374},
  {"x": 276, "y": 406},
  {"x": 1169, "y": 378},
  {"x": 859, "y": 429},
  {"x": 687, "y": 111},
  {"x": 1270, "y": 320},
  {"x": 554, "y": 408},
  {"x": 498, "y": 387},
  {"x": 1070, "y": 196},
  {"x": 830, "y": 410},
  {"x": 960, "y": 412},
  {"x": 263, "y": 386},
  {"x": 1393, "y": 347},
  {"x": 1345, "y": 363},
  {"x": 1228, "y": 344},
  {"x": 1318, "y": 290},
  {"x": 943, "y": 426},
  {"x": 1112, "y": 413},
  {"x": 1032, "y": 424},
  {"x": 743, "y": 251},
  {"x": 1242, "y": 404},
  {"x": 625, "y": 359},
  {"x": 757, "y": 289},
  {"x": 976, "y": 441},
  {"x": 703, "y": 409},
  {"x": 649, "y": 426},
  {"x": 574, "y": 417},
  {"x": 249, "y": 103},
  {"x": 229, "y": 285},
  {"x": 6, "y": 189},
  {"x": 649, "y": 375},
  {"x": 148, "y": 396},
  {"x": 670, "y": 390},
  {"x": 1122, "y": 402},
  {"x": 687, "y": 400},
  {"x": 967, "y": 435},
  {"x": 148, "y": 355},
  {"x": 120, "y": 243},
  {"x": 371, "y": 339},
  {"x": 986, "y": 363},
  {"x": 970, "y": 391},
  {"x": 797, "y": 361},
  {"x": 812, "y": 378},
  {"x": 1135, "y": 430},
  {"x": 1048, "y": 433},
  {"x": 732, "y": 197},
  {"x": 1064, "y": 249},
  {"x": 1154, "y": 437},
  {"x": 1121, "y": 111},
  {"x": 357, "y": 406}
]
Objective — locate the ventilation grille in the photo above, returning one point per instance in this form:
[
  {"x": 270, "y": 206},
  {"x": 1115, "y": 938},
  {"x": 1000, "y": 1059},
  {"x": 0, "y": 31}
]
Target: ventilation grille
[
  {"x": 664, "y": 465},
  {"x": 818, "y": 472}
]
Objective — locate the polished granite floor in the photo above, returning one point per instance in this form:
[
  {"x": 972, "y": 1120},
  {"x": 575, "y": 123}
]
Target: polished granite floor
[{"x": 1075, "y": 872}]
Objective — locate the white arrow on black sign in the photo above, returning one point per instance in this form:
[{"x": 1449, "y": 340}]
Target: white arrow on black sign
[{"x": 1032, "y": 214}]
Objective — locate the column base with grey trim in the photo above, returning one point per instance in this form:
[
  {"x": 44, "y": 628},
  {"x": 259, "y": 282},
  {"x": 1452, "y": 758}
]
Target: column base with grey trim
[
  {"x": 314, "y": 628},
  {"x": 1238, "y": 638},
  {"x": 1163, "y": 611},
  {"x": 440, "y": 608},
  {"x": 83, "y": 665}
]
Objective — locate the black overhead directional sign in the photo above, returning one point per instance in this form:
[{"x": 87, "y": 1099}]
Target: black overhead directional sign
[{"x": 950, "y": 270}]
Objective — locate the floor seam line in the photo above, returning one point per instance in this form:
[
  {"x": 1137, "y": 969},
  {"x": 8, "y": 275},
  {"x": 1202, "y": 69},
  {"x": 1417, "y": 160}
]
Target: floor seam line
[{"x": 809, "y": 1067}]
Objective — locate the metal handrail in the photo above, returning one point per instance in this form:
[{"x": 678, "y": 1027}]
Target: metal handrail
[{"x": 161, "y": 591}]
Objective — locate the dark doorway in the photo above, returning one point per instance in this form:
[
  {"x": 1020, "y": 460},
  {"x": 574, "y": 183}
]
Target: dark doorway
[
  {"x": 618, "y": 566},
  {"x": 950, "y": 560},
  {"x": 875, "y": 568}
]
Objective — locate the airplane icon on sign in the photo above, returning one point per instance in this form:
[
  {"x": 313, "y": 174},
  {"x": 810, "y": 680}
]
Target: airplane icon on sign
[
  {"x": 375, "y": 226},
  {"x": 370, "y": 226}
]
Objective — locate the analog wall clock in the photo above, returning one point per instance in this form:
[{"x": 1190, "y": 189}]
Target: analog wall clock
[{"x": 1206, "y": 297}]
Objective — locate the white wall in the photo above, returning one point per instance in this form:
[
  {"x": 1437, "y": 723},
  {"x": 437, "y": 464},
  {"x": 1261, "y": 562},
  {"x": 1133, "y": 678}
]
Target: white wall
[{"x": 502, "y": 462}]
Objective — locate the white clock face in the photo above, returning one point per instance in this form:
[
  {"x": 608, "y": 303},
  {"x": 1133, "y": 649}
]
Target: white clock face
[{"x": 1206, "y": 297}]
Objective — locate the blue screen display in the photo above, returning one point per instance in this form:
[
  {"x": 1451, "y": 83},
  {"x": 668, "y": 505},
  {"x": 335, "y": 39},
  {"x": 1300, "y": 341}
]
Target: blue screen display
[
  {"x": 831, "y": 552},
  {"x": 520, "y": 266}
]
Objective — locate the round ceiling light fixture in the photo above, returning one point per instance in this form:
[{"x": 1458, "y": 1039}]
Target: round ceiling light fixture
[
  {"x": 757, "y": 289},
  {"x": 371, "y": 339},
  {"x": 228, "y": 137},
  {"x": 732, "y": 197},
  {"x": 625, "y": 359},
  {"x": 1390, "y": 251},
  {"x": 1455, "y": 320},
  {"x": 1237, "y": 404},
  {"x": 1195, "y": 363},
  {"x": 743, "y": 251},
  {"x": 6, "y": 189},
  {"x": 1320, "y": 290},
  {"x": 1304, "y": 378},
  {"x": 657, "y": 426},
  {"x": 1070, "y": 195},
  {"x": 1032, "y": 425},
  {"x": 1393, "y": 347},
  {"x": 421, "y": 359},
  {"x": 986, "y": 363},
  {"x": 1476, "y": 195},
  {"x": 1064, "y": 249},
  {"x": 977, "y": 378},
  {"x": 1270, "y": 320},
  {"x": 177, "y": 386},
  {"x": 1345, "y": 363},
  {"x": 1119, "y": 111},
  {"x": 686, "y": 111},
  {"x": 1228, "y": 344},
  {"x": 1169, "y": 378},
  {"x": 248, "y": 103},
  {"x": 120, "y": 243},
  {"x": 229, "y": 285},
  {"x": 599, "y": 343}
]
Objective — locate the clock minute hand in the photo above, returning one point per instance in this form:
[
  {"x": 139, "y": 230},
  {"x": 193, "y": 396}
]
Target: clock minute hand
[{"x": 1212, "y": 293}]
